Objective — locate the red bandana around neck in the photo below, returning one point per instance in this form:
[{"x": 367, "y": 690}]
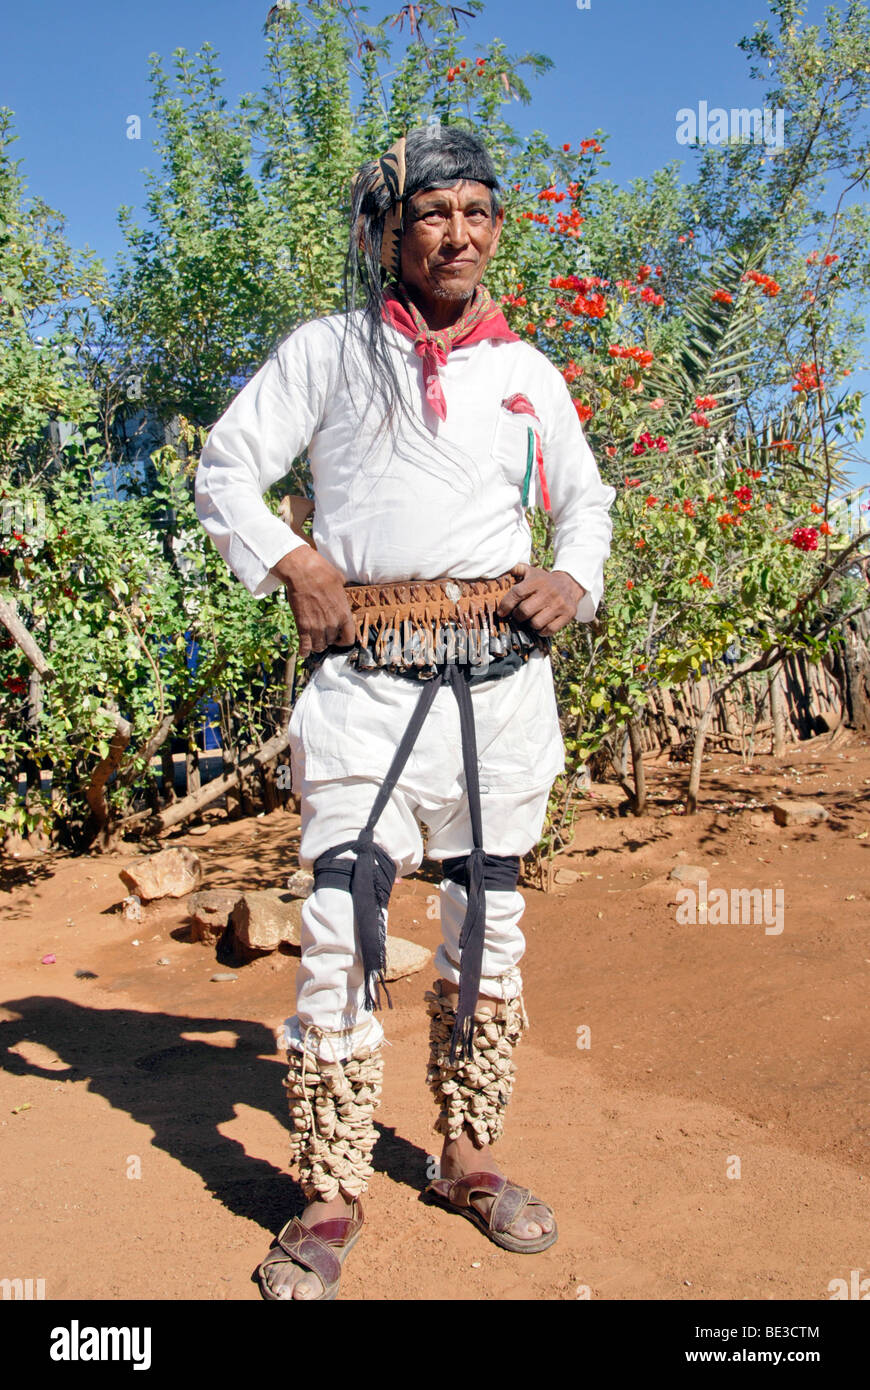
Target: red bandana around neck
[{"x": 482, "y": 319}]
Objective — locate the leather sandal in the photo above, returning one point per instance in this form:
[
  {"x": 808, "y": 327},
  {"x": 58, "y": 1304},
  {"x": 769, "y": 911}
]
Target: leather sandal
[
  {"x": 510, "y": 1202},
  {"x": 320, "y": 1249}
]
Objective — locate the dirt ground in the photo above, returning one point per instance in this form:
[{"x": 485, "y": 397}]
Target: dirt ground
[{"x": 710, "y": 1142}]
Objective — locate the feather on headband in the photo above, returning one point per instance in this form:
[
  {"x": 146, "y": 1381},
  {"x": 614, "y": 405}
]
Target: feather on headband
[{"x": 390, "y": 174}]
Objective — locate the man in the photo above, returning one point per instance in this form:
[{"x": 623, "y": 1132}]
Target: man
[{"x": 427, "y": 424}]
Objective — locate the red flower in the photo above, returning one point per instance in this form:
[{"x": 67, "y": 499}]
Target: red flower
[
  {"x": 584, "y": 412},
  {"x": 767, "y": 282},
  {"x": 642, "y": 356},
  {"x": 700, "y": 420},
  {"x": 632, "y": 482},
  {"x": 706, "y": 402},
  {"x": 566, "y": 148},
  {"x": 817, "y": 509},
  {"x": 594, "y": 307},
  {"x": 824, "y": 528},
  {"x": 743, "y": 494},
  {"x": 651, "y": 501},
  {"x": 807, "y": 379},
  {"x": 15, "y": 684},
  {"x": 722, "y": 297},
  {"x": 805, "y": 538},
  {"x": 629, "y": 584}
]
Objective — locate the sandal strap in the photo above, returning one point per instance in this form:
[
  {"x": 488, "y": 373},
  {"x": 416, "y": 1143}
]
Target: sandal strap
[
  {"x": 461, "y": 1190},
  {"x": 305, "y": 1247},
  {"x": 510, "y": 1199},
  {"x": 507, "y": 1207},
  {"x": 338, "y": 1230}
]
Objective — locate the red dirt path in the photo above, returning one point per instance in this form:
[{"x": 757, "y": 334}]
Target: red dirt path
[{"x": 707, "y": 1043}]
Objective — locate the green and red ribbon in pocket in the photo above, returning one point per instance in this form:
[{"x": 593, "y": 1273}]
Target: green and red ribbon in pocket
[{"x": 521, "y": 405}]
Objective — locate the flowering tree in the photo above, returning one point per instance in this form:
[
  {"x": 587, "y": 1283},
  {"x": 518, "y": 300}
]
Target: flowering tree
[{"x": 704, "y": 330}]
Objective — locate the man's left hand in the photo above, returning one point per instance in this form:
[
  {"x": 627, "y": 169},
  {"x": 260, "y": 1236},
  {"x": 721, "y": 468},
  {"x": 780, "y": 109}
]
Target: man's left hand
[{"x": 546, "y": 599}]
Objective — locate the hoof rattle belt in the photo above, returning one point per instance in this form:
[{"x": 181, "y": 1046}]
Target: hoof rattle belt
[{"x": 425, "y": 623}]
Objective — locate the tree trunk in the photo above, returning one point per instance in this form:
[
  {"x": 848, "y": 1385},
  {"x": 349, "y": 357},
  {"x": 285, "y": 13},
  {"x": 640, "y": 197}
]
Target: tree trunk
[
  {"x": 777, "y": 713},
  {"x": 95, "y": 792},
  {"x": 193, "y": 781},
  {"x": 636, "y": 746},
  {"x": 167, "y": 774},
  {"x": 698, "y": 753}
]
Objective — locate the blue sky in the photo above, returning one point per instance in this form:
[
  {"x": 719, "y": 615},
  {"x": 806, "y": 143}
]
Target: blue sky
[{"x": 74, "y": 73}]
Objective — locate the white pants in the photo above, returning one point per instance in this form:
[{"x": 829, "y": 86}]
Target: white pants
[
  {"x": 329, "y": 982},
  {"x": 344, "y": 731}
]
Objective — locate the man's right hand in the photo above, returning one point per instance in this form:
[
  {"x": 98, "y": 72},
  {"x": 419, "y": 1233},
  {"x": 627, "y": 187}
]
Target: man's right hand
[{"x": 317, "y": 596}]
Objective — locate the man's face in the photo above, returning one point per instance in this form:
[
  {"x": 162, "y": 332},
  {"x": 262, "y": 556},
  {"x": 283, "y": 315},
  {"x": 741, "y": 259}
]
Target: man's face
[{"x": 448, "y": 240}]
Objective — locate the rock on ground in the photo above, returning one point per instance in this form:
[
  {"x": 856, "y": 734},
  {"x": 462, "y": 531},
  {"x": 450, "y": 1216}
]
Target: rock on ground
[
  {"x": 210, "y": 914},
  {"x": 690, "y": 873},
  {"x": 169, "y": 874},
  {"x": 798, "y": 812},
  {"x": 266, "y": 919},
  {"x": 404, "y": 957},
  {"x": 301, "y": 884}
]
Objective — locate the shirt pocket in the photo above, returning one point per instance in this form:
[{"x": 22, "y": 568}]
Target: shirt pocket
[{"x": 513, "y": 449}]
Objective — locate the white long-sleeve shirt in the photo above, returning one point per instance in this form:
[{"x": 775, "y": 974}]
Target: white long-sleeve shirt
[{"x": 446, "y": 500}]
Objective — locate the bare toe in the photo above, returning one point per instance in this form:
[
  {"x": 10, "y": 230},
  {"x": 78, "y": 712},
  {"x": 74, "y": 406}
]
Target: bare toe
[
  {"x": 307, "y": 1288},
  {"x": 292, "y": 1281}
]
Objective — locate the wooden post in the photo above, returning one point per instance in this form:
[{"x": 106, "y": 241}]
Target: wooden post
[{"x": 777, "y": 714}]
